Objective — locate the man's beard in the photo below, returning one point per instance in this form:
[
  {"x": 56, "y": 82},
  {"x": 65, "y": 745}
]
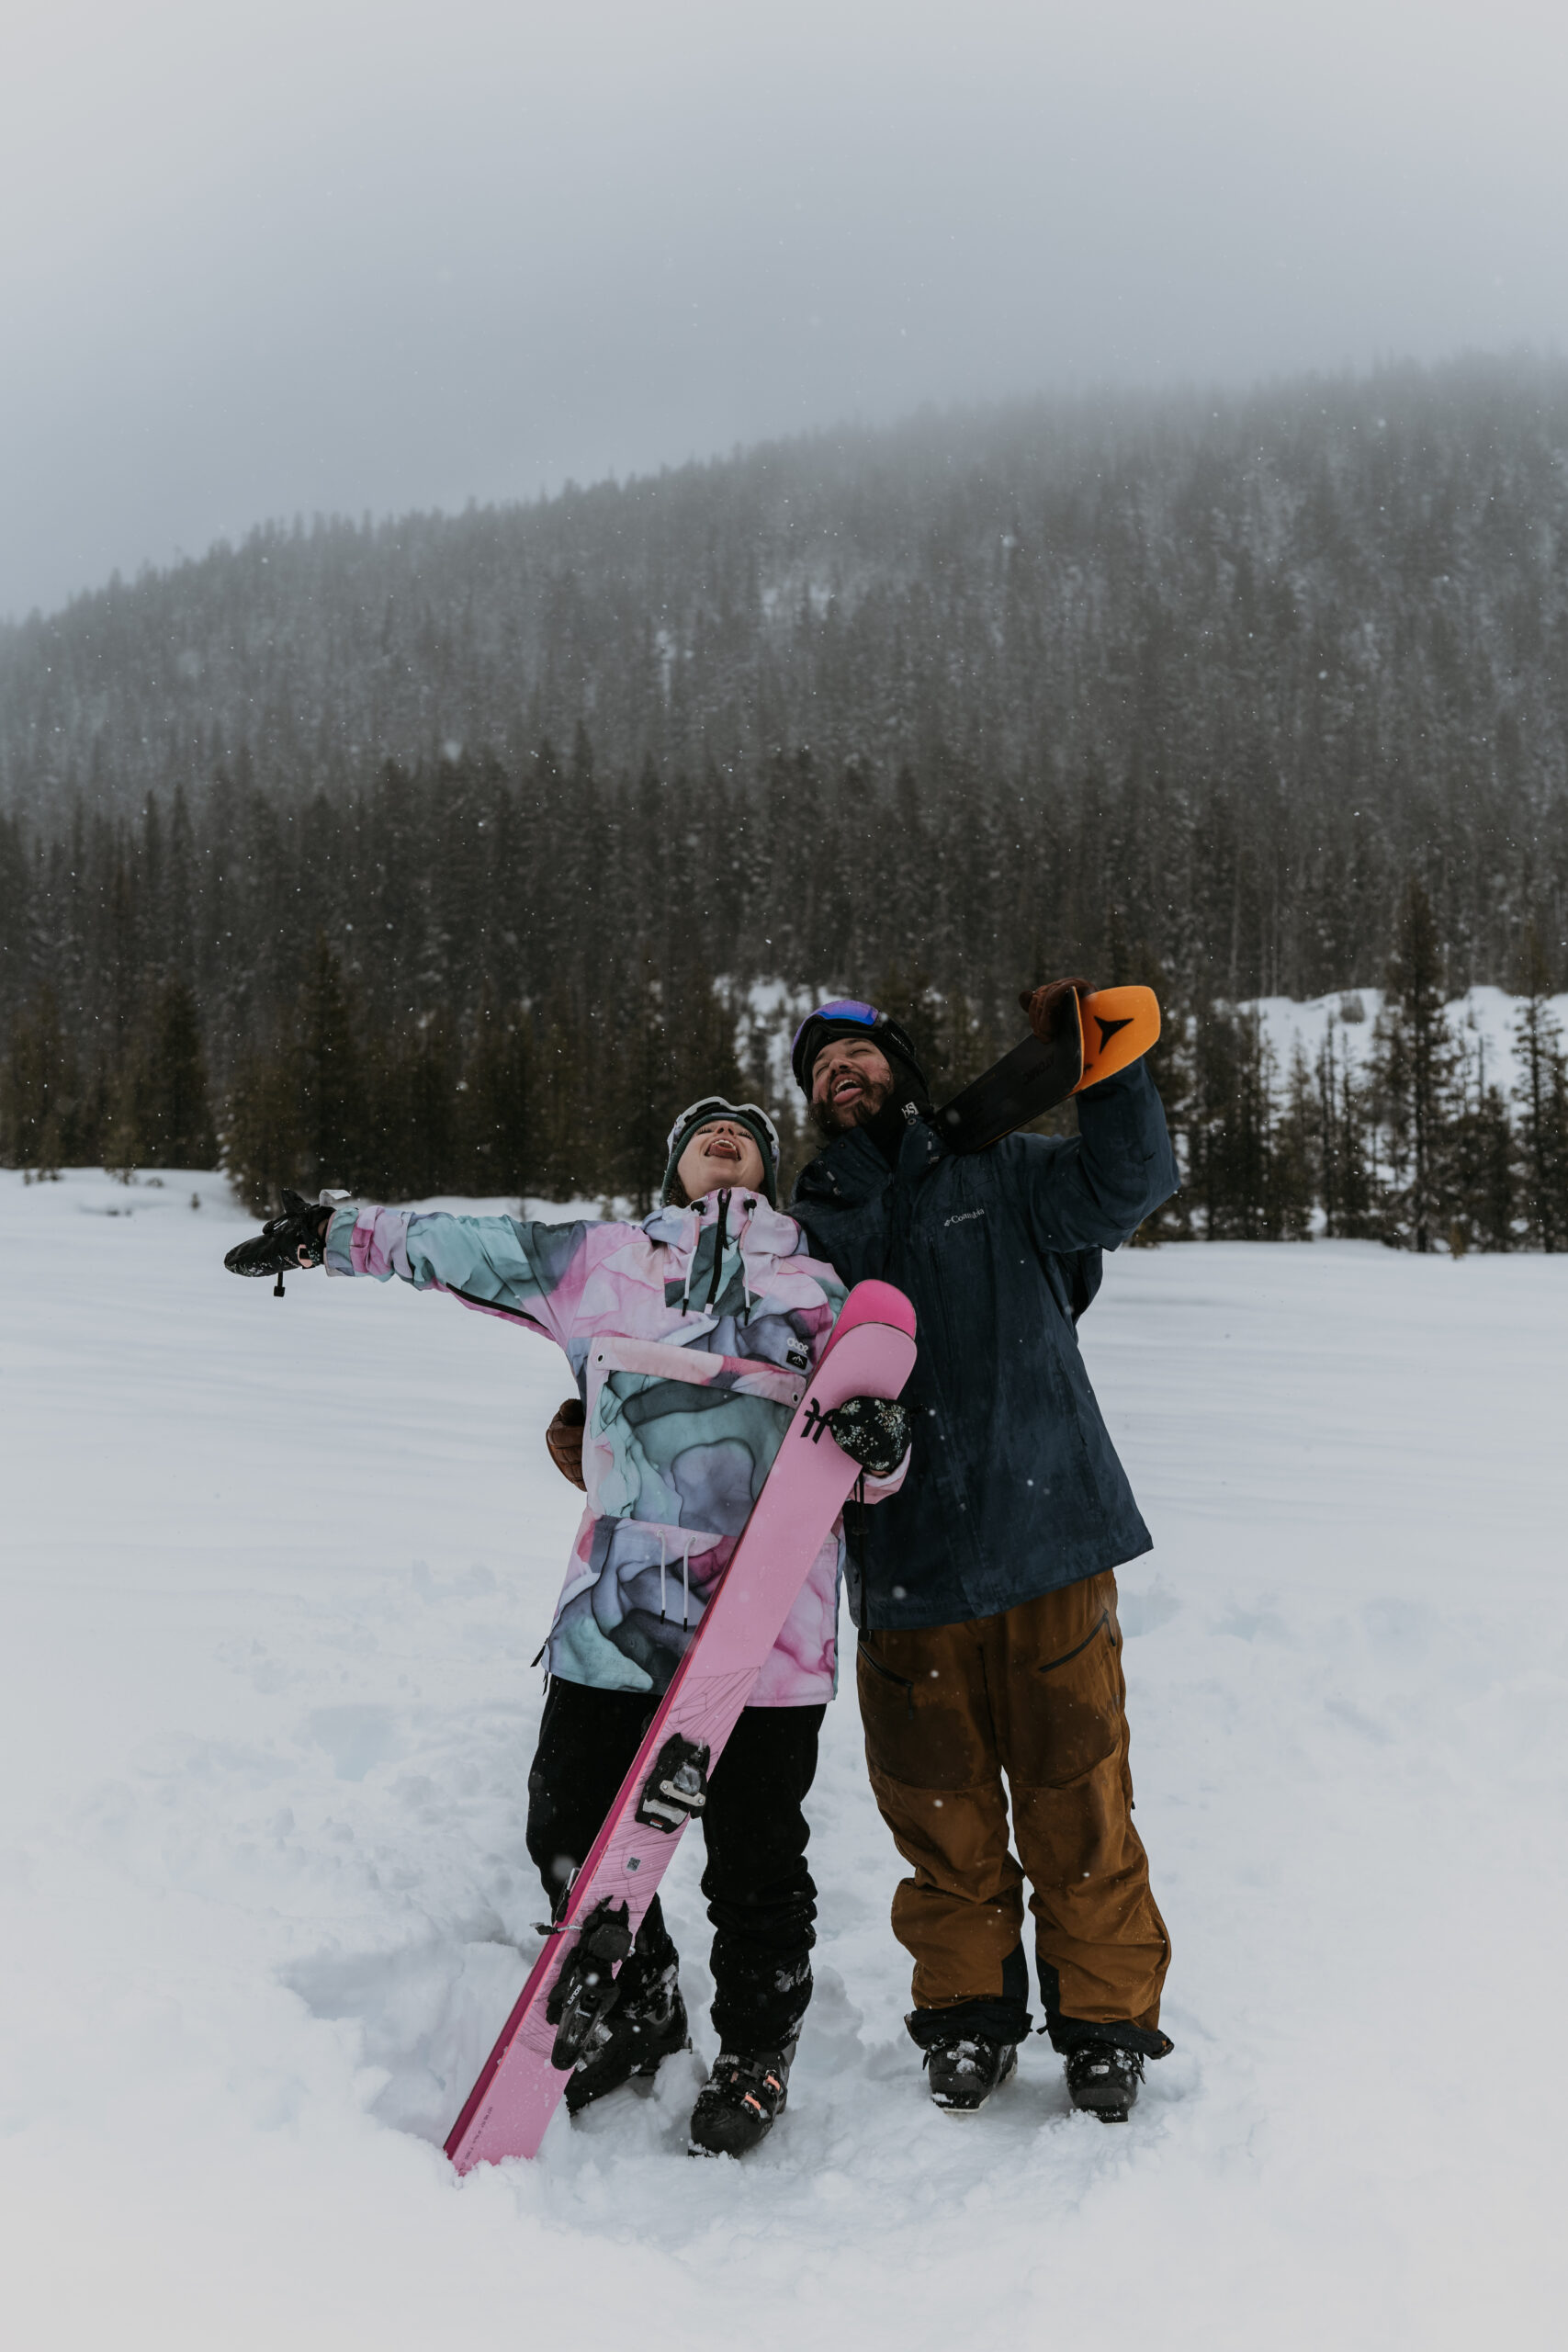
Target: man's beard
[{"x": 868, "y": 1102}]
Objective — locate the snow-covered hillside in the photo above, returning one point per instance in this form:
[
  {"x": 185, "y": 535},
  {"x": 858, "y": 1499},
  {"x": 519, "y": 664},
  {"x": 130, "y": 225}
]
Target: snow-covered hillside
[
  {"x": 272, "y": 1579},
  {"x": 1483, "y": 1021}
]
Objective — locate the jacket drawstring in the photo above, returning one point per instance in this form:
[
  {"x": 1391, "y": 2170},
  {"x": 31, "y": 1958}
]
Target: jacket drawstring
[
  {"x": 661, "y": 1576},
  {"x": 687, "y": 1286},
  {"x": 716, "y": 1282}
]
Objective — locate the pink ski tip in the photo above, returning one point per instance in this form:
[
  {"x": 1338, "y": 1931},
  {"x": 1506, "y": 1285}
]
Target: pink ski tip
[{"x": 875, "y": 1303}]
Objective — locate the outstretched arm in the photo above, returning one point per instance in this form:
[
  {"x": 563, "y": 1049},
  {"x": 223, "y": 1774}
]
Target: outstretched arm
[
  {"x": 489, "y": 1262},
  {"x": 531, "y": 1272},
  {"x": 1093, "y": 1191}
]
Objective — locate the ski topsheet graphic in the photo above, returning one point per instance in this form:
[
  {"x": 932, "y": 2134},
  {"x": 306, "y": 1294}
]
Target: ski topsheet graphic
[
  {"x": 871, "y": 1354},
  {"x": 1117, "y": 1027}
]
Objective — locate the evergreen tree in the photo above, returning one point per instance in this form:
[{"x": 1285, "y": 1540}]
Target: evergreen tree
[
  {"x": 1347, "y": 1116},
  {"x": 45, "y": 1117},
  {"x": 680, "y": 1045},
  {"x": 334, "y": 1130},
  {"x": 1232, "y": 1134},
  {"x": 162, "y": 1117},
  {"x": 420, "y": 1111},
  {"x": 497, "y": 1107},
  {"x": 563, "y": 1150},
  {"x": 1330, "y": 1143},
  {"x": 1543, "y": 1097},
  {"x": 1416, "y": 1067},
  {"x": 1482, "y": 1153},
  {"x": 263, "y": 1146},
  {"x": 643, "y": 1101},
  {"x": 1293, "y": 1189}
]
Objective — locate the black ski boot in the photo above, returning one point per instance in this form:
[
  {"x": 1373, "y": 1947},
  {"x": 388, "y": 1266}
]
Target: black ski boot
[
  {"x": 740, "y": 2102},
  {"x": 285, "y": 1243},
  {"x": 646, "y": 2025},
  {"x": 963, "y": 2073},
  {"x": 1103, "y": 2079}
]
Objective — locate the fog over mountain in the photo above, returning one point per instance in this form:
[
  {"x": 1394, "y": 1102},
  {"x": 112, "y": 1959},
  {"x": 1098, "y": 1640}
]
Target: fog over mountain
[
  {"x": 1291, "y": 647},
  {"x": 349, "y": 255}
]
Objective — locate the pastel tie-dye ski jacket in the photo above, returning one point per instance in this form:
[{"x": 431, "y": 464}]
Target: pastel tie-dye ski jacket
[{"x": 691, "y": 1335}]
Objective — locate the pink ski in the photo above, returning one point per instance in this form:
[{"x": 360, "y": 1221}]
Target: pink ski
[{"x": 871, "y": 1354}]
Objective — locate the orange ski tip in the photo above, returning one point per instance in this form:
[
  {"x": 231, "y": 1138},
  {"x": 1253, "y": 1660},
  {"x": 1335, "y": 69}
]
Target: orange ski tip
[{"x": 1119, "y": 1026}]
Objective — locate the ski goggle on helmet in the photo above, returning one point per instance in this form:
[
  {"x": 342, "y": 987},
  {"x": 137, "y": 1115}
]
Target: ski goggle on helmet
[
  {"x": 708, "y": 1112},
  {"x": 841, "y": 1017}
]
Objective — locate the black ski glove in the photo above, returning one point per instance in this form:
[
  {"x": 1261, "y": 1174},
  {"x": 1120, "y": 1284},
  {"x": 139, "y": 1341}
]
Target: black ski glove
[
  {"x": 276, "y": 1249},
  {"x": 873, "y": 1430},
  {"x": 1046, "y": 1007}
]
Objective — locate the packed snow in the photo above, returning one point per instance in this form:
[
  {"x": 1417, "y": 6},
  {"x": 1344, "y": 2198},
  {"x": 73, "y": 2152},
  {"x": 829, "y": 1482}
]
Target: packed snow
[{"x": 273, "y": 1577}]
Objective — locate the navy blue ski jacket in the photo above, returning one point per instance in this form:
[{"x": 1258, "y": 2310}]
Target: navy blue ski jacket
[{"x": 1014, "y": 1487}]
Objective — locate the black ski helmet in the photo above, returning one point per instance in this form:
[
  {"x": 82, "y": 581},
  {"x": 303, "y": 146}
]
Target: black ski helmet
[{"x": 848, "y": 1017}]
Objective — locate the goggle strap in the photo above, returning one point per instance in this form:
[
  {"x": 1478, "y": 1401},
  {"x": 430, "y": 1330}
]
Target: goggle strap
[{"x": 865, "y": 1016}]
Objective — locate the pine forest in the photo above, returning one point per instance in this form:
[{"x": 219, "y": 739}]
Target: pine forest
[{"x": 454, "y": 855}]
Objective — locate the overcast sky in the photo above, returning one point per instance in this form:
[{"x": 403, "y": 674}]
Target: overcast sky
[{"x": 295, "y": 256}]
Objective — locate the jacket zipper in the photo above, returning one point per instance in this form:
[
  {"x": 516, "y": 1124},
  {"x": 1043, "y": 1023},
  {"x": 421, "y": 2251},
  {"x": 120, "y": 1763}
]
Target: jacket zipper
[
  {"x": 938, "y": 1294},
  {"x": 718, "y": 1246}
]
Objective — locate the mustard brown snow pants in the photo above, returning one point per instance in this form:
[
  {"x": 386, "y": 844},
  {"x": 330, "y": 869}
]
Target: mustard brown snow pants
[{"x": 1035, "y": 1696}]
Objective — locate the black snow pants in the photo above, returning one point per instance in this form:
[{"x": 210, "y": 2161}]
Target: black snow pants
[{"x": 759, "y": 1895}]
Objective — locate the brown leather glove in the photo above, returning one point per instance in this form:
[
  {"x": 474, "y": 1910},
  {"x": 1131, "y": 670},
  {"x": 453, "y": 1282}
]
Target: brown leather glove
[
  {"x": 1045, "y": 1006},
  {"x": 564, "y": 1438}
]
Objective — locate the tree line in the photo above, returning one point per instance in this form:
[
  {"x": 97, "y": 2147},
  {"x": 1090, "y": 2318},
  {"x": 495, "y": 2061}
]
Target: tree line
[
  {"x": 1412, "y": 1142},
  {"x": 464, "y": 980},
  {"x": 1237, "y": 668}
]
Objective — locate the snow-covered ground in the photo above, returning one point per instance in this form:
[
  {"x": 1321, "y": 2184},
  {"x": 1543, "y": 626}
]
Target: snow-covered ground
[{"x": 272, "y": 1579}]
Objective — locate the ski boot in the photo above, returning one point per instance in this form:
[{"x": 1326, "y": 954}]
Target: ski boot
[
  {"x": 1102, "y": 2079},
  {"x": 740, "y": 2102},
  {"x": 645, "y": 2026},
  {"x": 963, "y": 2073},
  {"x": 285, "y": 1244}
]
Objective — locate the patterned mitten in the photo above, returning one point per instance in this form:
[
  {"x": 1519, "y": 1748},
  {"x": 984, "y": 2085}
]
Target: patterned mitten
[{"x": 873, "y": 1431}]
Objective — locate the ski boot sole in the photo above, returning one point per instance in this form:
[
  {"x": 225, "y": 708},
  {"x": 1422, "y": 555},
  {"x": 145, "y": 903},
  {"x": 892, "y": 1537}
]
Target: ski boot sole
[{"x": 698, "y": 2148}]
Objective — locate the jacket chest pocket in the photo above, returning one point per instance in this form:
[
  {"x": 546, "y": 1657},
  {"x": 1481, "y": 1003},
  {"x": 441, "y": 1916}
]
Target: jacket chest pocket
[{"x": 964, "y": 1249}]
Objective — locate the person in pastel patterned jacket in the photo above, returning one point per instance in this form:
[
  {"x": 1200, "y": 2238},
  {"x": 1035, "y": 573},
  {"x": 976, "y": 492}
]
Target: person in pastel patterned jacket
[{"x": 691, "y": 1335}]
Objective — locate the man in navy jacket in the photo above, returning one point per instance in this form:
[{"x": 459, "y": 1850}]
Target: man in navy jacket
[{"x": 990, "y": 1655}]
